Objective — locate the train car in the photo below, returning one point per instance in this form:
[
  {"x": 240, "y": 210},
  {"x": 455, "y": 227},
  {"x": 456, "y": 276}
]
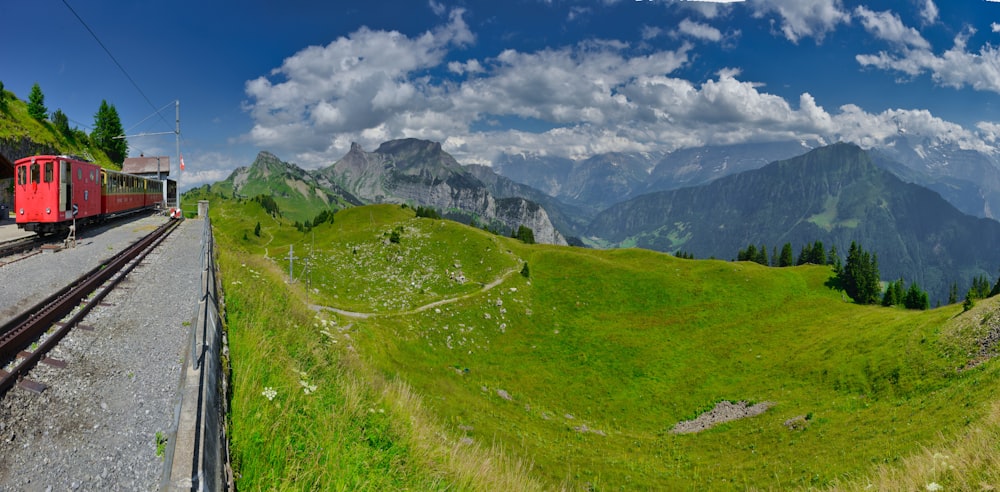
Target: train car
[
  {"x": 125, "y": 193},
  {"x": 50, "y": 191}
]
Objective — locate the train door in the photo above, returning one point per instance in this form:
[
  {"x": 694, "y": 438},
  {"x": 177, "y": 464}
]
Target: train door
[{"x": 65, "y": 187}]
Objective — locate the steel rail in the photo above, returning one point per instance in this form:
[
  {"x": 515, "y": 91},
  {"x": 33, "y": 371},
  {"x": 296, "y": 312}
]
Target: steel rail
[
  {"x": 18, "y": 246},
  {"x": 20, "y": 332}
]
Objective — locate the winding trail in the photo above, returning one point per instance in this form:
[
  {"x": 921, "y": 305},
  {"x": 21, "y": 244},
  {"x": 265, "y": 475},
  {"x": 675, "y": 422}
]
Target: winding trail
[{"x": 352, "y": 314}]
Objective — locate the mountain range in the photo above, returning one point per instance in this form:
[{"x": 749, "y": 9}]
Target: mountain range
[
  {"x": 709, "y": 202},
  {"x": 409, "y": 171},
  {"x": 834, "y": 194}
]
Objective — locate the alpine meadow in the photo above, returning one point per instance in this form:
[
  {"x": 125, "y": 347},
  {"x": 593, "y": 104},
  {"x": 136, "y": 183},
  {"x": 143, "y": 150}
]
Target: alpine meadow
[
  {"x": 557, "y": 245},
  {"x": 419, "y": 353}
]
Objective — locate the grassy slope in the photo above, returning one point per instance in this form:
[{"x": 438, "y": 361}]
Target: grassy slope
[
  {"x": 295, "y": 199},
  {"x": 600, "y": 352},
  {"x": 15, "y": 123}
]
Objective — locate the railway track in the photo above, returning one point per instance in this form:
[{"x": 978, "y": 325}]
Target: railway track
[
  {"x": 26, "y": 339},
  {"x": 19, "y": 249}
]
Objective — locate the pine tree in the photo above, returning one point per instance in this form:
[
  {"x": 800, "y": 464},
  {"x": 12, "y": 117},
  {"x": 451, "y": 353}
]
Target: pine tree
[
  {"x": 803, "y": 255},
  {"x": 818, "y": 254},
  {"x": 892, "y": 294},
  {"x": 888, "y": 299},
  {"x": 786, "y": 259},
  {"x": 749, "y": 254},
  {"x": 761, "y": 255},
  {"x": 980, "y": 287},
  {"x": 36, "y": 103},
  {"x": 860, "y": 276},
  {"x": 525, "y": 234},
  {"x": 107, "y": 126},
  {"x": 61, "y": 122},
  {"x": 953, "y": 293},
  {"x": 851, "y": 271},
  {"x": 916, "y": 298},
  {"x": 869, "y": 288},
  {"x": 898, "y": 291},
  {"x": 3, "y": 97}
]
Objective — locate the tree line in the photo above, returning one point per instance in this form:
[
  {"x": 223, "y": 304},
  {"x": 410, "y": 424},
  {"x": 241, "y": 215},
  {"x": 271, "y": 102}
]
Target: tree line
[{"x": 859, "y": 275}]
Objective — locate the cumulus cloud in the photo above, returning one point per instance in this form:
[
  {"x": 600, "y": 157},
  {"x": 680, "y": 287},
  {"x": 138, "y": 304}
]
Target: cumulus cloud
[
  {"x": 593, "y": 97},
  {"x": 929, "y": 12},
  {"x": 888, "y": 27},
  {"x": 804, "y": 18},
  {"x": 349, "y": 85},
  {"x": 699, "y": 30},
  {"x": 955, "y": 68}
]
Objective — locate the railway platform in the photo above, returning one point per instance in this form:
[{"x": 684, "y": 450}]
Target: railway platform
[{"x": 108, "y": 416}]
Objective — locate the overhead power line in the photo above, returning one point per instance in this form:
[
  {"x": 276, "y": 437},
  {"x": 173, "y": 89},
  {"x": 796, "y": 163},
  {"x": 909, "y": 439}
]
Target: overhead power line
[{"x": 120, "y": 67}]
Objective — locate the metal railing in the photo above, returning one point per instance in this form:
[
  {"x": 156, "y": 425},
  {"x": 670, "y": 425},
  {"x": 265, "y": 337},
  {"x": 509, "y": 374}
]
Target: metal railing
[{"x": 196, "y": 458}]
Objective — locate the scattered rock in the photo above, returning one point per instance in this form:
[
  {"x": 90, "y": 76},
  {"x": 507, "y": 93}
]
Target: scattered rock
[
  {"x": 799, "y": 422},
  {"x": 584, "y": 429},
  {"x": 724, "y": 411}
]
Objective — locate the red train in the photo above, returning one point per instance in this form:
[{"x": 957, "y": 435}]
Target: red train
[{"x": 50, "y": 190}]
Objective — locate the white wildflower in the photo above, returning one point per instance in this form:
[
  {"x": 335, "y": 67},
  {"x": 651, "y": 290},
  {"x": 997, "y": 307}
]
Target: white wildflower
[
  {"x": 306, "y": 387},
  {"x": 933, "y": 486},
  {"x": 269, "y": 393}
]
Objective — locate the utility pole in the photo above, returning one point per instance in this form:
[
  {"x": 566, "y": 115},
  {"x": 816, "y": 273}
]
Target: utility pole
[
  {"x": 177, "y": 139},
  {"x": 291, "y": 259}
]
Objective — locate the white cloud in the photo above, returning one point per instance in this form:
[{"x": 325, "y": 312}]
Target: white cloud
[
  {"x": 349, "y": 85},
  {"x": 955, "y": 67},
  {"x": 597, "y": 96},
  {"x": 888, "y": 27},
  {"x": 699, "y": 30},
  {"x": 650, "y": 32},
  {"x": 437, "y": 7},
  {"x": 995, "y": 27},
  {"x": 804, "y": 18},
  {"x": 929, "y": 12},
  {"x": 211, "y": 167}
]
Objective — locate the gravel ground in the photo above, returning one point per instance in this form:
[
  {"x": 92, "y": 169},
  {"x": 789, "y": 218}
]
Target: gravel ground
[{"x": 95, "y": 426}]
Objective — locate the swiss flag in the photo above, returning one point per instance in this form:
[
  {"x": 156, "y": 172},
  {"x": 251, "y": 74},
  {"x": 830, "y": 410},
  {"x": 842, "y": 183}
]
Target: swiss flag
[{"x": 182, "y": 163}]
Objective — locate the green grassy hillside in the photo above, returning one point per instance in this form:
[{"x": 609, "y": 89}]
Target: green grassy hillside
[
  {"x": 433, "y": 363},
  {"x": 16, "y": 124}
]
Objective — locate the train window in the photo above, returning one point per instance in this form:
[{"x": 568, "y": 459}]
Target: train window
[
  {"x": 22, "y": 175},
  {"x": 79, "y": 174},
  {"x": 35, "y": 169},
  {"x": 48, "y": 172},
  {"x": 91, "y": 174}
]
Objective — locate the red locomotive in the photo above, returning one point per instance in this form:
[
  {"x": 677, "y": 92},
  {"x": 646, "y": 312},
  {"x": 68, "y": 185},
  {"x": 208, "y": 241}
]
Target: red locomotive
[{"x": 49, "y": 191}]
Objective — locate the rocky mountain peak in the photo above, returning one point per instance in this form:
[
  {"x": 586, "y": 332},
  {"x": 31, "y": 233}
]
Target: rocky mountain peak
[{"x": 267, "y": 163}]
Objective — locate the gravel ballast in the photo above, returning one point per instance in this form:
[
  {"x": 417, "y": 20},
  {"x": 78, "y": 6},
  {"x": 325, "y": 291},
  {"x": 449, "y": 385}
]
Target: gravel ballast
[{"x": 97, "y": 424}]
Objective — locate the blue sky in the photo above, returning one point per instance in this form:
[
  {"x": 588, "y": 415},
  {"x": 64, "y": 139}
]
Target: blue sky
[{"x": 303, "y": 79}]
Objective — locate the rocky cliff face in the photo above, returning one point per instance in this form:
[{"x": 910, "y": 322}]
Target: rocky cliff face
[
  {"x": 421, "y": 173},
  {"x": 16, "y": 148}
]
